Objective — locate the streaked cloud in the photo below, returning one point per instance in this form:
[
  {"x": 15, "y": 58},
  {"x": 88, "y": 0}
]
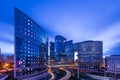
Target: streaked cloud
[
  {"x": 6, "y": 32},
  {"x": 7, "y": 47},
  {"x": 7, "y": 38},
  {"x": 76, "y": 20},
  {"x": 109, "y": 37}
]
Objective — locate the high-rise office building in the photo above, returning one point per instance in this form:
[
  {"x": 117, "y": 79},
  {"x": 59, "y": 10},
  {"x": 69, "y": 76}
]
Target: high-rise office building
[
  {"x": 113, "y": 63},
  {"x": 1, "y": 59},
  {"x": 52, "y": 52},
  {"x": 76, "y": 51},
  {"x": 59, "y": 47},
  {"x": 89, "y": 54},
  {"x": 0, "y": 51},
  {"x": 31, "y": 46},
  {"x": 69, "y": 51}
]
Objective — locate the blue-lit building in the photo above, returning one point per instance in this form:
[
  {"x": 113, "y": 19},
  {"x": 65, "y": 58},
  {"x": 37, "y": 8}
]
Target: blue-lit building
[
  {"x": 31, "y": 48},
  {"x": 89, "y": 54},
  {"x": 69, "y": 51},
  {"x": 60, "y": 47},
  {"x": 113, "y": 64},
  {"x": 1, "y": 59},
  {"x": 52, "y": 52}
]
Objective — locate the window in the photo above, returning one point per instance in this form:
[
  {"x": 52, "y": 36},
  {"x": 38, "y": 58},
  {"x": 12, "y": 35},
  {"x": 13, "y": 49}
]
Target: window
[{"x": 28, "y": 23}]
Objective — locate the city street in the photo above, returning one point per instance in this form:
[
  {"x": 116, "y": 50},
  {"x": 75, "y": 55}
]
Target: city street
[
  {"x": 67, "y": 76},
  {"x": 60, "y": 39},
  {"x": 53, "y": 76}
]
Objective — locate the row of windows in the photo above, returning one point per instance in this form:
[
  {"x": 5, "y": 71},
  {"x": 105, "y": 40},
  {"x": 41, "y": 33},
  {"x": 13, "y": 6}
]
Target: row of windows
[{"x": 29, "y": 37}]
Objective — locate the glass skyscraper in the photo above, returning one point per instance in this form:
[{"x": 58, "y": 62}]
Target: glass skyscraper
[
  {"x": 52, "y": 52},
  {"x": 31, "y": 47},
  {"x": 69, "y": 51},
  {"x": 59, "y": 46}
]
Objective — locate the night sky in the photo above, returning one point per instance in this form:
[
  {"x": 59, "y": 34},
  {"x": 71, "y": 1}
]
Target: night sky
[{"x": 77, "y": 20}]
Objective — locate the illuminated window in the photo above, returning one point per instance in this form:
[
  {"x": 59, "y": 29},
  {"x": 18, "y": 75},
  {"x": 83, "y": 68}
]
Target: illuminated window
[{"x": 28, "y": 23}]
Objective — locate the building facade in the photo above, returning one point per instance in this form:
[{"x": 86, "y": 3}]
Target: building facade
[
  {"x": 89, "y": 54},
  {"x": 1, "y": 59},
  {"x": 69, "y": 51},
  {"x": 31, "y": 47},
  {"x": 0, "y": 51},
  {"x": 52, "y": 52},
  {"x": 59, "y": 47},
  {"x": 113, "y": 63}
]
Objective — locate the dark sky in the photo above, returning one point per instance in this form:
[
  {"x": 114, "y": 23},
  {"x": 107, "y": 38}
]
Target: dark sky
[{"x": 78, "y": 20}]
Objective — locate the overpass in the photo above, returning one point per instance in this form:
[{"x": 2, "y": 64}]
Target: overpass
[{"x": 63, "y": 65}]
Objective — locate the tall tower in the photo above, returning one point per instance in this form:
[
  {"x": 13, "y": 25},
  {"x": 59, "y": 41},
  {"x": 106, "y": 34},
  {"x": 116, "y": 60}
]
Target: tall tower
[
  {"x": 31, "y": 44},
  {"x": 69, "y": 51},
  {"x": 59, "y": 46},
  {"x": 52, "y": 52},
  {"x": 0, "y": 51}
]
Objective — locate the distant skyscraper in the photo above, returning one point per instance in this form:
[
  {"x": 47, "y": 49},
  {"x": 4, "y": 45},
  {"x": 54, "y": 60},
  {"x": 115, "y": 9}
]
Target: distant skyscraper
[
  {"x": 52, "y": 52},
  {"x": 89, "y": 54},
  {"x": 113, "y": 63},
  {"x": 59, "y": 46},
  {"x": 31, "y": 44},
  {"x": 0, "y": 51},
  {"x": 1, "y": 59},
  {"x": 69, "y": 51}
]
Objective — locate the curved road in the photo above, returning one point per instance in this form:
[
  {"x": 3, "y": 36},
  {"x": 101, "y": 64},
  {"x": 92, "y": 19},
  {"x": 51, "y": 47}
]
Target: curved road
[
  {"x": 53, "y": 76},
  {"x": 67, "y": 76}
]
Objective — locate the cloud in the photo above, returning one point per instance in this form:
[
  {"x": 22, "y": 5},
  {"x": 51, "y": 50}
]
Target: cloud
[
  {"x": 79, "y": 22},
  {"x": 74, "y": 20},
  {"x": 109, "y": 37},
  {"x": 6, "y": 32},
  {"x": 7, "y": 47},
  {"x": 7, "y": 38}
]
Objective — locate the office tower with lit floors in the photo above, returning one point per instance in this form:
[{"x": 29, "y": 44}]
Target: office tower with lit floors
[
  {"x": 69, "y": 51},
  {"x": 1, "y": 59},
  {"x": 31, "y": 48},
  {"x": 89, "y": 55},
  {"x": 113, "y": 63},
  {"x": 60, "y": 48},
  {"x": 52, "y": 52}
]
